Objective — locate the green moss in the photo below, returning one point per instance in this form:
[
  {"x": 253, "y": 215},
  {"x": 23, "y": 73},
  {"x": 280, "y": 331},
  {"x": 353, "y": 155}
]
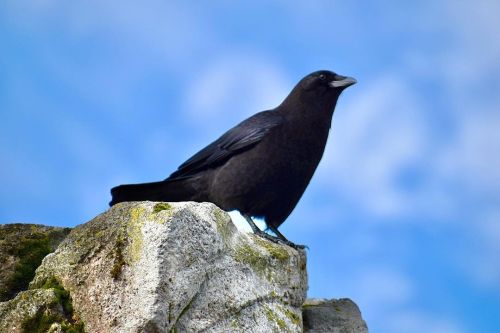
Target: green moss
[
  {"x": 77, "y": 327},
  {"x": 277, "y": 251},
  {"x": 62, "y": 295},
  {"x": 131, "y": 236},
  {"x": 161, "y": 206},
  {"x": 119, "y": 260},
  {"x": 170, "y": 309},
  {"x": 39, "y": 323},
  {"x": 223, "y": 224},
  {"x": 134, "y": 230},
  {"x": 43, "y": 319},
  {"x": 259, "y": 260},
  {"x": 295, "y": 319},
  {"x": 30, "y": 251},
  {"x": 275, "y": 318},
  {"x": 249, "y": 255},
  {"x": 235, "y": 324}
]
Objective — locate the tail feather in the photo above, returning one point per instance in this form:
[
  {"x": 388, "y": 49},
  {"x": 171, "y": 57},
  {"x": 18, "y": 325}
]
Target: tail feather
[{"x": 157, "y": 191}]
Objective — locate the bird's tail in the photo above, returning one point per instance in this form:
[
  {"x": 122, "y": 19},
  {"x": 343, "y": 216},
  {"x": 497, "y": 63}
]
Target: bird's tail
[{"x": 157, "y": 191}]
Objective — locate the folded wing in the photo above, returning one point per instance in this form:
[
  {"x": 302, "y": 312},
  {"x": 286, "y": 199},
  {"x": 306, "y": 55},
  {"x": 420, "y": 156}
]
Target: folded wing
[{"x": 240, "y": 138}]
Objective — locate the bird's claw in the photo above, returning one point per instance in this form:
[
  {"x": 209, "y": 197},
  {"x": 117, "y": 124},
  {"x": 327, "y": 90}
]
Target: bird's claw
[{"x": 278, "y": 240}]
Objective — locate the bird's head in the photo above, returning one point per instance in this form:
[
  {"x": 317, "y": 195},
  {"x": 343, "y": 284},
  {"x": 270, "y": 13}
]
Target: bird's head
[
  {"x": 319, "y": 89},
  {"x": 325, "y": 82}
]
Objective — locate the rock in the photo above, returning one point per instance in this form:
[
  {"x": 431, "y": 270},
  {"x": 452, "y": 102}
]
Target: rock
[
  {"x": 180, "y": 267},
  {"x": 47, "y": 309},
  {"x": 22, "y": 248},
  {"x": 159, "y": 267},
  {"x": 332, "y": 316}
]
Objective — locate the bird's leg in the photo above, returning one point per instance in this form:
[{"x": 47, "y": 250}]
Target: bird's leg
[
  {"x": 280, "y": 239},
  {"x": 259, "y": 232},
  {"x": 254, "y": 227},
  {"x": 283, "y": 238}
]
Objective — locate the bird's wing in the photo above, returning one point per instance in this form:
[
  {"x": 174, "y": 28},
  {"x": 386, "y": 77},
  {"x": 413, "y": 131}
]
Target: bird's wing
[{"x": 238, "y": 139}]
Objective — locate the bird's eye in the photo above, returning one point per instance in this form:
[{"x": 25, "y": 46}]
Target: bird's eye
[{"x": 322, "y": 77}]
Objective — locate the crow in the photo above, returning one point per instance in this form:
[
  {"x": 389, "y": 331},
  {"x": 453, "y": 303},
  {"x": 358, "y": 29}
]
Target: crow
[{"x": 262, "y": 166}]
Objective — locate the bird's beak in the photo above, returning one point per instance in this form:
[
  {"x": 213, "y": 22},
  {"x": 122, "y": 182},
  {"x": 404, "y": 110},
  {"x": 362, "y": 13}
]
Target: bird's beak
[{"x": 342, "y": 81}]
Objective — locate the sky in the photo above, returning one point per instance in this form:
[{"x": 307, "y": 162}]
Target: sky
[{"x": 403, "y": 213}]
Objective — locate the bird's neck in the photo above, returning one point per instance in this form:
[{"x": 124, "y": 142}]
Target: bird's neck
[{"x": 303, "y": 109}]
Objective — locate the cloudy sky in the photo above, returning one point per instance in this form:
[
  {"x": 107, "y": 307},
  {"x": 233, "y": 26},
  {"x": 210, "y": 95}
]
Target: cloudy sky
[{"x": 403, "y": 214}]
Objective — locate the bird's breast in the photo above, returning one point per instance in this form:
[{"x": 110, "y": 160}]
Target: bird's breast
[{"x": 269, "y": 179}]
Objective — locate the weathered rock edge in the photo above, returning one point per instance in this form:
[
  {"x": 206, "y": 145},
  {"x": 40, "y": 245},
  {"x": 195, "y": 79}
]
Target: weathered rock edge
[
  {"x": 333, "y": 316},
  {"x": 160, "y": 267},
  {"x": 180, "y": 267}
]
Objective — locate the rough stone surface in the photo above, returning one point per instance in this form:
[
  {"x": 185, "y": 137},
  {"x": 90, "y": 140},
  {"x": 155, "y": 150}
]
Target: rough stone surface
[
  {"x": 47, "y": 309},
  {"x": 180, "y": 267},
  {"x": 332, "y": 316},
  {"x": 26, "y": 306},
  {"x": 22, "y": 248},
  {"x": 159, "y": 267}
]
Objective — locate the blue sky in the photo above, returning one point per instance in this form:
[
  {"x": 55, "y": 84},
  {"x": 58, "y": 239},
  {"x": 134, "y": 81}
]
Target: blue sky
[{"x": 403, "y": 214}]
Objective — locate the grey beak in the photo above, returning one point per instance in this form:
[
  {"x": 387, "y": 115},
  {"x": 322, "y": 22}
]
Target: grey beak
[{"x": 342, "y": 81}]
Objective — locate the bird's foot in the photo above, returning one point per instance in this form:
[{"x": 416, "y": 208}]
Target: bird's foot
[
  {"x": 284, "y": 240},
  {"x": 293, "y": 245},
  {"x": 278, "y": 240}
]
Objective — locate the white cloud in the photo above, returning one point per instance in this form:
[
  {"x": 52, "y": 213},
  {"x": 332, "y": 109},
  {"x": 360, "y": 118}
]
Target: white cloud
[
  {"x": 417, "y": 322},
  {"x": 386, "y": 297},
  {"x": 126, "y": 44},
  {"x": 467, "y": 73},
  {"x": 372, "y": 140},
  {"x": 382, "y": 288},
  {"x": 168, "y": 29},
  {"x": 387, "y": 129},
  {"x": 476, "y": 46},
  {"x": 470, "y": 72},
  {"x": 235, "y": 86},
  {"x": 472, "y": 159},
  {"x": 480, "y": 259}
]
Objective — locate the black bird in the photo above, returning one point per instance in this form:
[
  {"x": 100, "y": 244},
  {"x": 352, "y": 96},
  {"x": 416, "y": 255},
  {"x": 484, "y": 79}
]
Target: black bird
[{"x": 262, "y": 166}]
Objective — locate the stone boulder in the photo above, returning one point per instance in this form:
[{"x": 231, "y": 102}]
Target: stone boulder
[
  {"x": 166, "y": 267},
  {"x": 332, "y": 316},
  {"x": 180, "y": 267}
]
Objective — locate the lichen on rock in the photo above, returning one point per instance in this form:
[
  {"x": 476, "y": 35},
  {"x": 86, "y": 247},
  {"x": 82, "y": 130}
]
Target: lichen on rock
[
  {"x": 162, "y": 267},
  {"x": 22, "y": 248},
  {"x": 174, "y": 267},
  {"x": 39, "y": 311}
]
